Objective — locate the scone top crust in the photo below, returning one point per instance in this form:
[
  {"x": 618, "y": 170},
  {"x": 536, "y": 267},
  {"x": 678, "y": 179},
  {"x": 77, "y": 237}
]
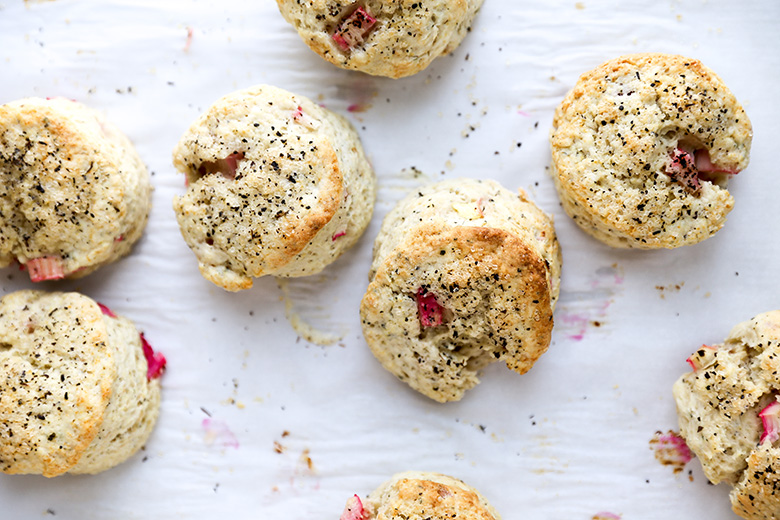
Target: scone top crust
[
  {"x": 401, "y": 38},
  {"x": 56, "y": 380},
  {"x": 284, "y": 186},
  {"x": 490, "y": 261},
  {"x": 422, "y": 496},
  {"x": 614, "y": 140},
  {"x": 719, "y": 403},
  {"x": 72, "y": 186}
]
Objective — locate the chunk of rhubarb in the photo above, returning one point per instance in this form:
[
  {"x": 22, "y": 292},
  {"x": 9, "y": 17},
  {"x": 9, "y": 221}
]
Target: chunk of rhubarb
[
  {"x": 682, "y": 169},
  {"x": 354, "y": 510},
  {"x": 431, "y": 313},
  {"x": 705, "y": 165},
  {"x": 302, "y": 118},
  {"x": 353, "y": 30},
  {"x": 226, "y": 167},
  {"x": 105, "y": 310},
  {"x": 155, "y": 361},
  {"x": 45, "y": 268},
  {"x": 701, "y": 357},
  {"x": 338, "y": 235},
  {"x": 770, "y": 416}
]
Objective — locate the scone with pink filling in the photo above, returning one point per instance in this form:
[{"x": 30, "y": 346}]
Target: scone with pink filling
[
  {"x": 643, "y": 147},
  {"x": 729, "y": 413},
  {"x": 465, "y": 273},
  {"x": 79, "y": 386},
  {"x": 277, "y": 185},
  {"x": 74, "y": 194},
  {"x": 416, "y": 495},
  {"x": 393, "y": 38}
]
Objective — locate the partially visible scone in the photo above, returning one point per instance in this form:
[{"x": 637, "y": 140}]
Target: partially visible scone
[
  {"x": 277, "y": 186},
  {"x": 393, "y": 38},
  {"x": 729, "y": 412},
  {"x": 79, "y": 391},
  {"x": 465, "y": 273},
  {"x": 417, "y": 495},
  {"x": 74, "y": 194},
  {"x": 643, "y": 147}
]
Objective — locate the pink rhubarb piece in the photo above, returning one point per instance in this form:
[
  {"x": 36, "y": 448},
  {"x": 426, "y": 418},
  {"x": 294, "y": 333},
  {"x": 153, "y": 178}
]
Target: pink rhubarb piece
[
  {"x": 105, "y": 310},
  {"x": 352, "y": 31},
  {"x": 45, "y": 268},
  {"x": 770, "y": 416},
  {"x": 155, "y": 361},
  {"x": 431, "y": 314},
  {"x": 354, "y": 510}
]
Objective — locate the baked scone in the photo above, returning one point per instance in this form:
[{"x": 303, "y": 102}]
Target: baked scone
[
  {"x": 393, "y": 38},
  {"x": 415, "y": 495},
  {"x": 79, "y": 387},
  {"x": 74, "y": 194},
  {"x": 465, "y": 273},
  {"x": 643, "y": 147},
  {"x": 729, "y": 413},
  {"x": 277, "y": 186}
]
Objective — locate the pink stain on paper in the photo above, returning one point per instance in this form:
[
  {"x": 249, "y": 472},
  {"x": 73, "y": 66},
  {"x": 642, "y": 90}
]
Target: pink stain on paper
[
  {"x": 217, "y": 433},
  {"x": 671, "y": 450},
  {"x": 593, "y": 303}
]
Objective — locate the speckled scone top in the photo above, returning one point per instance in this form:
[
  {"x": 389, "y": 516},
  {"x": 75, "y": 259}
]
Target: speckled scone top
[
  {"x": 277, "y": 186},
  {"x": 465, "y": 273},
  {"x": 74, "y": 195},
  {"x": 393, "y": 38},
  {"x": 719, "y": 405},
  {"x": 74, "y": 392},
  {"x": 642, "y": 148},
  {"x": 421, "y": 495}
]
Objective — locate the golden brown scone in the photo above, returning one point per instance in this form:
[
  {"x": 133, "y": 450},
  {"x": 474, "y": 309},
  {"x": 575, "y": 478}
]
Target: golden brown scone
[
  {"x": 277, "y": 186},
  {"x": 393, "y": 38},
  {"x": 642, "y": 148},
  {"x": 417, "y": 495},
  {"x": 79, "y": 391},
  {"x": 729, "y": 414},
  {"x": 464, "y": 273},
  {"x": 74, "y": 195}
]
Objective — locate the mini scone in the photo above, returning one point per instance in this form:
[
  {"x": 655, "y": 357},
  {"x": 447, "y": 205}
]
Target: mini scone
[
  {"x": 79, "y": 387},
  {"x": 415, "y": 495},
  {"x": 729, "y": 413},
  {"x": 74, "y": 194},
  {"x": 642, "y": 150},
  {"x": 277, "y": 186},
  {"x": 393, "y": 38},
  {"x": 464, "y": 273}
]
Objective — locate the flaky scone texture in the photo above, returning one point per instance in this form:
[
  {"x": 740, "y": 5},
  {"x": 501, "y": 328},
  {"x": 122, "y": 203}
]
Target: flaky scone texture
[
  {"x": 72, "y": 186},
  {"x": 718, "y": 406},
  {"x": 415, "y": 495},
  {"x": 407, "y": 36},
  {"x": 299, "y": 192},
  {"x": 74, "y": 393},
  {"x": 614, "y": 141},
  {"x": 465, "y": 273}
]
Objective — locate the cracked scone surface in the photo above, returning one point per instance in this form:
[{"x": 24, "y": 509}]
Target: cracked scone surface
[
  {"x": 613, "y": 142},
  {"x": 74, "y": 393},
  {"x": 489, "y": 259},
  {"x": 406, "y": 37},
  {"x": 415, "y": 495},
  {"x": 277, "y": 186},
  {"x": 718, "y": 406},
  {"x": 72, "y": 187}
]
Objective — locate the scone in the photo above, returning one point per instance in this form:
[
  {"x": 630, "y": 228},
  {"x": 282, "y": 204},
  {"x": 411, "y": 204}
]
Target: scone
[
  {"x": 79, "y": 391},
  {"x": 393, "y": 38},
  {"x": 74, "y": 194},
  {"x": 277, "y": 186},
  {"x": 465, "y": 273},
  {"x": 729, "y": 412},
  {"x": 643, "y": 147},
  {"x": 417, "y": 495}
]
